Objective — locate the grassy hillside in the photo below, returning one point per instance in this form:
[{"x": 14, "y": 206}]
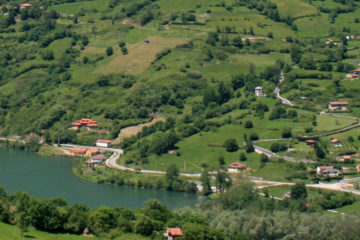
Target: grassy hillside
[{"x": 194, "y": 63}]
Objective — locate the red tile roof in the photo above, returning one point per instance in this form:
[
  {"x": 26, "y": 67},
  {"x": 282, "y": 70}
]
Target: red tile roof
[
  {"x": 310, "y": 141},
  {"x": 326, "y": 167},
  {"x": 78, "y": 150},
  {"x": 93, "y": 150},
  {"x": 98, "y": 157},
  {"x": 25, "y": 5},
  {"x": 103, "y": 141},
  {"x": 339, "y": 103},
  {"x": 174, "y": 232},
  {"x": 357, "y": 70},
  {"x": 237, "y": 165},
  {"x": 347, "y": 157},
  {"x": 335, "y": 141}
]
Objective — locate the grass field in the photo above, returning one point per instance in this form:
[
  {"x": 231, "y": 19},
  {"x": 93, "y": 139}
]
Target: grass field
[
  {"x": 10, "y": 232},
  {"x": 295, "y": 8},
  {"x": 139, "y": 57}
]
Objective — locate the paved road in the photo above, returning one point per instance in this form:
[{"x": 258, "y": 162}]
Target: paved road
[
  {"x": 283, "y": 100},
  {"x": 333, "y": 132},
  {"x": 111, "y": 162},
  {"x": 286, "y": 158}
]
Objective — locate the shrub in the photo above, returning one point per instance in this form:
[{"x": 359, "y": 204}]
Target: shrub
[
  {"x": 248, "y": 124},
  {"x": 109, "y": 51},
  {"x": 231, "y": 145}
]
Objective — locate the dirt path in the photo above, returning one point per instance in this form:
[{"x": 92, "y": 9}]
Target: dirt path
[{"x": 133, "y": 130}]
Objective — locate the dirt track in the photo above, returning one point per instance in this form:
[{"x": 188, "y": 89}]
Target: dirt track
[{"x": 133, "y": 130}]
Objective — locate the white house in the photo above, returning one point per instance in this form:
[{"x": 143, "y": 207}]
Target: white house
[
  {"x": 259, "y": 91},
  {"x": 338, "y": 106},
  {"x": 103, "y": 143}
]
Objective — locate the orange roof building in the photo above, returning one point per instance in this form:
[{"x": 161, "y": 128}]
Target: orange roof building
[
  {"x": 78, "y": 151},
  {"x": 172, "y": 233},
  {"x": 91, "y": 152},
  {"x": 236, "y": 166},
  {"x": 25, "y": 5}
]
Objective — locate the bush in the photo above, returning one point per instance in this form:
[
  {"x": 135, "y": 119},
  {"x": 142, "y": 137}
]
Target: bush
[
  {"x": 286, "y": 133},
  {"x": 231, "y": 145},
  {"x": 109, "y": 51},
  {"x": 253, "y": 136},
  {"x": 264, "y": 158},
  {"x": 248, "y": 124}
]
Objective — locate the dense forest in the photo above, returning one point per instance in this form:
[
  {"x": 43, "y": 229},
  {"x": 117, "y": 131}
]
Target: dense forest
[{"x": 234, "y": 215}]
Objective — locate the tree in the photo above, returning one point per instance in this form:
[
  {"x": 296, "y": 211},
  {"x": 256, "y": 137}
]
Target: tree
[
  {"x": 221, "y": 161},
  {"x": 237, "y": 42},
  {"x": 320, "y": 153},
  {"x": 205, "y": 181},
  {"x": 286, "y": 133},
  {"x": 295, "y": 54},
  {"x": 124, "y": 50},
  {"x": 275, "y": 147},
  {"x": 222, "y": 181},
  {"x": 231, "y": 145},
  {"x": 23, "y": 222},
  {"x": 224, "y": 93},
  {"x": 213, "y": 38},
  {"x": 191, "y": 188},
  {"x": 109, "y": 51},
  {"x": 254, "y": 136},
  {"x": 172, "y": 174},
  {"x": 298, "y": 191},
  {"x": 249, "y": 147},
  {"x": 242, "y": 156},
  {"x": 264, "y": 158},
  {"x": 248, "y": 124}
]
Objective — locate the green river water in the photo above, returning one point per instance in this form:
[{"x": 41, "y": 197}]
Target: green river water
[{"x": 47, "y": 177}]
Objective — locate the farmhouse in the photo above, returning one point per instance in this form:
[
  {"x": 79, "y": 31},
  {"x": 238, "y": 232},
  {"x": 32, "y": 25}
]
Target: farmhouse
[
  {"x": 336, "y": 143},
  {"x": 98, "y": 158},
  {"x": 358, "y": 168},
  {"x": 25, "y": 6},
  {"x": 346, "y": 159},
  {"x": 310, "y": 143},
  {"x": 338, "y": 106},
  {"x": 259, "y": 91},
  {"x": 352, "y": 76},
  {"x": 236, "y": 167},
  {"x": 357, "y": 71},
  {"x": 91, "y": 152},
  {"x": 103, "y": 143},
  {"x": 327, "y": 170},
  {"x": 172, "y": 233}
]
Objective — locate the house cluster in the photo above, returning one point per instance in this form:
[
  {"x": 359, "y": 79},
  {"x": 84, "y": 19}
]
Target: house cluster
[
  {"x": 16, "y": 8},
  {"x": 85, "y": 122},
  {"x": 329, "y": 171},
  {"x": 354, "y": 74},
  {"x": 172, "y": 233},
  {"x": 93, "y": 153},
  {"x": 236, "y": 167},
  {"x": 339, "y": 106}
]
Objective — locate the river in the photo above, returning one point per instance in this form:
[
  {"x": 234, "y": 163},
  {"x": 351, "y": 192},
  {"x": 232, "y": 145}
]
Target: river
[{"x": 48, "y": 177}]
